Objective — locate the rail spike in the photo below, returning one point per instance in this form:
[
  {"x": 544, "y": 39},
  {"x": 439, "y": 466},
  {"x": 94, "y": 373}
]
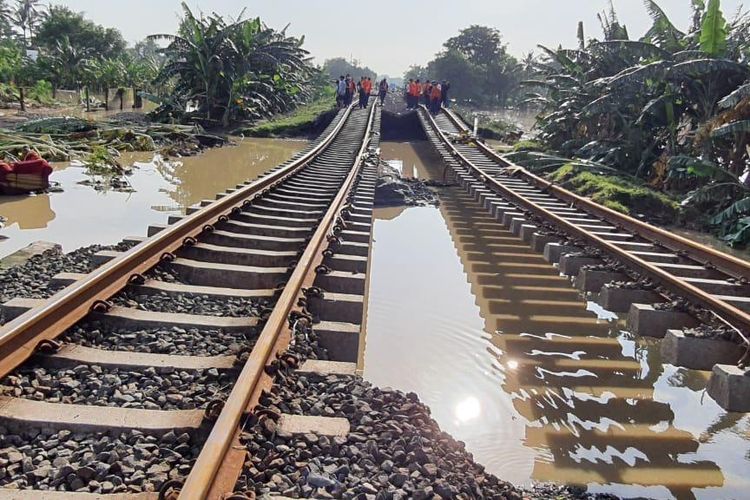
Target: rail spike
[
  {"x": 102, "y": 306},
  {"x": 136, "y": 279},
  {"x": 213, "y": 409},
  {"x": 170, "y": 490},
  {"x": 48, "y": 346}
]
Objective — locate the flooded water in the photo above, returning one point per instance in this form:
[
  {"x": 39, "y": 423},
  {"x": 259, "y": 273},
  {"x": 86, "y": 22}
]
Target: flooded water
[
  {"x": 539, "y": 384},
  {"x": 82, "y": 216}
]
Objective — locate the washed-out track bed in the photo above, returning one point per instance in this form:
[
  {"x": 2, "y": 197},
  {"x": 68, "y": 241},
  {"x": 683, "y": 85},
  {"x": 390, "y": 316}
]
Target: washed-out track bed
[
  {"x": 695, "y": 298},
  {"x": 115, "y": 384}
]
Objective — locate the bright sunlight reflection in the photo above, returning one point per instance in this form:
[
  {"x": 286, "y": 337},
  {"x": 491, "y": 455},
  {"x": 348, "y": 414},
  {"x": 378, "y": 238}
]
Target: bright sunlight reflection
[
  {"x": 512, "y": 364},
  {"x": 468, "y": 409}
]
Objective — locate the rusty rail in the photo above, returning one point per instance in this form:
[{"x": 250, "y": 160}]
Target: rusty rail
[
  {"x": 727, "y": 263},
  {"x": 200, "y": 483},
  {"x": 20, "y": 337},
  {"x": 728, "y": 312}
]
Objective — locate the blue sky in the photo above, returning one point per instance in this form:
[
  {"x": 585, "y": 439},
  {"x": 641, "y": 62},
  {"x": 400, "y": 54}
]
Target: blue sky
[{"x": 389, "y": 35}]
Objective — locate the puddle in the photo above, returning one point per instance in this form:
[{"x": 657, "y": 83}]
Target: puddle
[
  {"x": 82, "y": 216},
  {"x": 538, "y": 383}
]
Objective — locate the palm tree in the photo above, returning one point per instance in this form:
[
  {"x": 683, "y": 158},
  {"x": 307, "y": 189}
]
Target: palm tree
[
  {"x": 239, "y": 67},
  {"x": 67, "y": 63},
  {"x": 6, "y": 19},
  {"x": 633, "y": 105},
  {"x": 28, "y": 14}
]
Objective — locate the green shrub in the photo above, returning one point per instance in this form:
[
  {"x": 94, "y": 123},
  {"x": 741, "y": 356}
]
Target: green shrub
[
  {"x": 297, "y": 122},
  {"x": 41, "y": 92},
  {"x": 528, "y": 145},
  {"x": 617, "y": 193}
]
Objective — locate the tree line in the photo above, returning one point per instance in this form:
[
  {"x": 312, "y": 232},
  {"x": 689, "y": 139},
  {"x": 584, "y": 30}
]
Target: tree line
[
  {"x": 477, "y": 60},
  {"x": 212, "y": 69},
  {"x": 670, "y": 109}
]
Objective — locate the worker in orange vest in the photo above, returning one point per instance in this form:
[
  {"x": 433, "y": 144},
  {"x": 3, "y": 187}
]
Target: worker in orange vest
[
  {"x": 409, "y": 86},
  {"x": 425, "y": 91},
  {"x": 368, "y": 90},
  {"x": 436, "y": 97},
  {"x": 416, "y": 92}
]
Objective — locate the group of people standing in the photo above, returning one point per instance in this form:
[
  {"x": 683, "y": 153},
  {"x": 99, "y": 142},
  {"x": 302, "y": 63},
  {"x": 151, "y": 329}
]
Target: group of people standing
[
  {"x": 346, "y": 89},
  {"x": 432, "y": 94}
]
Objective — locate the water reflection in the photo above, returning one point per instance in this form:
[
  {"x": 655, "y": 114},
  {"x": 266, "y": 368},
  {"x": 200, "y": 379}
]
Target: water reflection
[
  {"x": 552, "y": 390},
  {"x": 82, "y": 216}
]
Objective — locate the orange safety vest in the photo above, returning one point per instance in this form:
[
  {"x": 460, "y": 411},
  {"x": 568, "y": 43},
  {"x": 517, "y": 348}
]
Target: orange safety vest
[
  {"x": 368, "y": 86},
  {"x": 436, "y": 93},
  {"x": 415, "y": 90},
  {"x": 426, "y": 88}
]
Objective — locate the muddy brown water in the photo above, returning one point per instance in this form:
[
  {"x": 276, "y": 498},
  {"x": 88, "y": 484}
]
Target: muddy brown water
[
  {"x": 81, "y": 216},
  {"x": 540, "y": 384}
]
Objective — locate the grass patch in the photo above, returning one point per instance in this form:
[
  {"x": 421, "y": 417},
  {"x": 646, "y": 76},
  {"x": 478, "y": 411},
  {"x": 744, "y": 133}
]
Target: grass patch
[
  {"x": 618, "y": 194},
  {"x": 303, "y": 120},
  {"x": 528, "y": 145}
]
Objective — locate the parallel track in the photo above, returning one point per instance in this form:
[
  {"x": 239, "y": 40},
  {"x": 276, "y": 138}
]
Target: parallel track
[
  {"x": 704, "y": 276},
  {"x": 264, "y": 242}
]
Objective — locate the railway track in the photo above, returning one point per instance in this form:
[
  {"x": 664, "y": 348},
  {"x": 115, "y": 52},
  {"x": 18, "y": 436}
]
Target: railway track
[
  {"x": 133, "y": 380},
  {"x": 610, "y": 253}
]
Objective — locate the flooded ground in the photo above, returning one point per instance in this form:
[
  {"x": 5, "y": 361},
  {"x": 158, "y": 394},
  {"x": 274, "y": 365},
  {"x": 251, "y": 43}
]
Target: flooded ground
[
  {"x": 82, "y": 216},
  {"x": 537, "y": 382}
]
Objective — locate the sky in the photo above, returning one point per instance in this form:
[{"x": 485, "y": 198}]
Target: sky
[{"x": 391, "y": 35}]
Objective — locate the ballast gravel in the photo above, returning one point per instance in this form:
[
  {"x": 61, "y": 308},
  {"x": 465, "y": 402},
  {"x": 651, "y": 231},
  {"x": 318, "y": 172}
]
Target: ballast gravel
[
  {"x": 31, "y": 279},
  {"x": 165, "y": 389},
  {"x": 202, "y": 305},
  {"x": 164, "y": 340},
  {"x": 395, "y": 449},
  {"x": 127, "y": 462}
]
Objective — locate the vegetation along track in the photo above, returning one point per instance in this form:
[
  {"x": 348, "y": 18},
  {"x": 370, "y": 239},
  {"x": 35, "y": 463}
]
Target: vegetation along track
[
  {"x": 135, "y": 377},
  {"x": 637, "y": 268}
]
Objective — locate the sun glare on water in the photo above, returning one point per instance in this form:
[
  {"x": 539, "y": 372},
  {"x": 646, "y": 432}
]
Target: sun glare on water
[{"x": 468, "y": 409}]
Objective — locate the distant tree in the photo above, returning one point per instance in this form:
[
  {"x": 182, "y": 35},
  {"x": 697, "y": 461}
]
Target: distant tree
[
  {"x": 147, "y": 49},
  {"x": 480, "y": 44},
  {"x": 83, "y": 34},
  {"x": 6, "y": 20},
  {"x": 233, "y": 70},
  {"x": 339, "y": 66},
  {"x": 414, "y": 72},
  {"x": 65, "y": 65},
  {"x": 478, "y": 65},
  {"x": 27, "y": 16},
  {"x": 11, "y": 61}
]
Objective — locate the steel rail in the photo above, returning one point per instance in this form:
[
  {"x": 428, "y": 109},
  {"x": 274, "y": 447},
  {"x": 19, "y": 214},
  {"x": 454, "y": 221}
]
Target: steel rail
[
  {"x": 728, "y": 312},
  {"x": 705, "y": 255},
  {"x": 198, "y": 484},
  {"x": 20, "y": 338}
]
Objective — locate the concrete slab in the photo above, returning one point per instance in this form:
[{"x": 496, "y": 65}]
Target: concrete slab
[
  {"x": 71, "y": 354},
  {"x": 620, "y": 299},
  {"x": 17, "y": 413},
  {"x": 729, "y": 386},
  {"x": 571, "y": 264},
  {"x": 539, "y": 241},
  {"x": 138, "y": 319},
  {"x": 23, "y": 255},
  {"x": 8, "y": 494},
  {"x": 338, "y": 307},
  {"x": 698, "y": 353},
  {"x": 646, "y": 321},
  {"x": 321, "y": 367},
  {"x": 589, "y": 280},
  {"x": 321, "y": 426},
  {"x": 228, "y": 275},
  {"x": 553, "y": 251},
  {"x": 341, "y": 340}
]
